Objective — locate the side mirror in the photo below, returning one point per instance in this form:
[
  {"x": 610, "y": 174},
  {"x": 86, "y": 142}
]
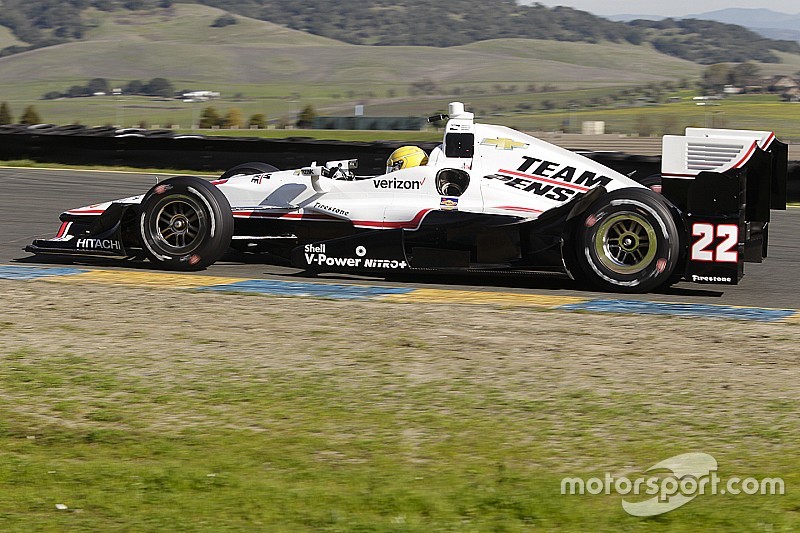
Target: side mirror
[{"x": 320, "y": 183}]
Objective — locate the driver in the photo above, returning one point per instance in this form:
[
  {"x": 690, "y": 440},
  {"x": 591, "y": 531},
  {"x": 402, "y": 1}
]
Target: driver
[{"x": 406, "y": 157}]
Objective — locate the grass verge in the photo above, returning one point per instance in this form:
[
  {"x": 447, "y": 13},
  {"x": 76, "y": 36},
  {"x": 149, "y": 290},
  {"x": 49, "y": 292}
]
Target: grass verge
[
  {"x": 141, "y": 409},
  {"x": 27, "y": 163}
]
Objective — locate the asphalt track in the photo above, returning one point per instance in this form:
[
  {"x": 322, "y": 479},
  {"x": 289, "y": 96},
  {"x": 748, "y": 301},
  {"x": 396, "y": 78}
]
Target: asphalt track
[{"x": 32, "y": 199}]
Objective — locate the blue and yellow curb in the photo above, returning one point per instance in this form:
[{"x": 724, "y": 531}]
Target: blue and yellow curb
[{"x": 347, "y": 291}]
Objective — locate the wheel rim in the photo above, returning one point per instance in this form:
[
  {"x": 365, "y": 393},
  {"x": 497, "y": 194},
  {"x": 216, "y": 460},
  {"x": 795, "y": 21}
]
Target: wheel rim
[
  {"x": 179, "y": 225},
  {"x": 626, "y": 243}
]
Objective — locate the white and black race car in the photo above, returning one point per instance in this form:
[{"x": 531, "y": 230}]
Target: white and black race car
[{"x": 489, "y": 199}]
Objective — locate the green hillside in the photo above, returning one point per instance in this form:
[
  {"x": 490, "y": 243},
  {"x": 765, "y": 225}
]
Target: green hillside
[
  {"x": 260, "y": 67},
  {"x": 275, "y": 68},
  {"x": 192, "y": 24},
  {"x": 410, "y": 23},
  {"x": 181, "y": 44}
]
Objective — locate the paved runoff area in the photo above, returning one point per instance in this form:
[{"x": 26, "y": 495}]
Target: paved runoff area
[{"x": 355, "y": 291}]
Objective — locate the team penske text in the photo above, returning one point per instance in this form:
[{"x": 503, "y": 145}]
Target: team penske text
[{"x": 552, "y": 170}]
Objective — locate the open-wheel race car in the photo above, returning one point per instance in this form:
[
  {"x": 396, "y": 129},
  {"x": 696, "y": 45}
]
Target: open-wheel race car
[{"x": 488, "y": 199}]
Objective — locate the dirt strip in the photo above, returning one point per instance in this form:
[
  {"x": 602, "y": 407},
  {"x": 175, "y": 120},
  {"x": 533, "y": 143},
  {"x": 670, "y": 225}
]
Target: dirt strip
[{"x": 438, "y": 340}]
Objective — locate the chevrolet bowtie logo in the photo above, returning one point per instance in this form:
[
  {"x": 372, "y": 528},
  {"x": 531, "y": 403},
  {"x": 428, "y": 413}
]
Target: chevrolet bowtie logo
[{"x": 503, "y": 143}]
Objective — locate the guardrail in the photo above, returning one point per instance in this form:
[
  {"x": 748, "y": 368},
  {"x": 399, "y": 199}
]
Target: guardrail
[{"x": 133, "y": 147}]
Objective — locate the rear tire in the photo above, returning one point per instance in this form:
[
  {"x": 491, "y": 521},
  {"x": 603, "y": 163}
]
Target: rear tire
[
  {"x": 652, "y": 182},
  {"x": 185, "y": 224},
  {"x": 628, "y": 241}
]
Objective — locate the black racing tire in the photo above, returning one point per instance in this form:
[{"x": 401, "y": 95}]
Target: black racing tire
[
  {"x": 248, "y": 168},
  {"x": 628, "y": 241},
  {"x": 185, "y": 224}
]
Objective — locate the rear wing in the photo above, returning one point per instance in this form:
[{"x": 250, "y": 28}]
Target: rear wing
[
  {"x": 717, "y": 150},
  {"x": 725, "y": 182}
]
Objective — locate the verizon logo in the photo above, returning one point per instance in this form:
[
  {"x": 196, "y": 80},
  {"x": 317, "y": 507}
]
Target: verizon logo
[{"x": 398, "y": 184}]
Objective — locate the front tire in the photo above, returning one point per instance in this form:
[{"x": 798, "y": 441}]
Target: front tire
[
  {"x": 627, "y": 241},
  {"x": 185, "y": 224}
]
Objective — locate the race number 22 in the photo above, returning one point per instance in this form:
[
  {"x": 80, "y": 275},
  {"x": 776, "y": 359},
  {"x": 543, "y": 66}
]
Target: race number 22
[{"x": 707, "y": 246}]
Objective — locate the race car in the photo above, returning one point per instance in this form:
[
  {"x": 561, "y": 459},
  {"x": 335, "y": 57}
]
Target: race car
[{"x": 488, "y": 199}]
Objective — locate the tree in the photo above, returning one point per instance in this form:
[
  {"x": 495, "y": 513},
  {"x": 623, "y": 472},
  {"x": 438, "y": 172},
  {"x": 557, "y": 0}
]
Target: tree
[
  {"x": 133, "y": 87},
  {"x": 159, "y": 87},
  {"x": 209, "y": 118},
  {"x": 224, "y": 20},
  {"x": 634, "y": 37},
  {"x": 306, "y": 117},
  {"x": 99, "y": 85},
  {"x": 77, "y": 91},
  {"x": 30, "y": 116},
  {"x": 104, "y": 5},
  {"x": 744, "y": 74},
  {"x": 259, "y": 120},
  {"x": 716, "y": 77},
  {"x": 233, "y": 118},
  {"x": 5, "y": 114},
  {"x": 51, "y": 95}
]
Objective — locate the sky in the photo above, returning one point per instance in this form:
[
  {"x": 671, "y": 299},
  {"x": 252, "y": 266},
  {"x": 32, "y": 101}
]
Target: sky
[{"x": 671, "y": 8}]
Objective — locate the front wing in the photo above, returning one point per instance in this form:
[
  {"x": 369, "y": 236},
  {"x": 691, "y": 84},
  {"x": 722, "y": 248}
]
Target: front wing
[{"x": 91, "y": 235}]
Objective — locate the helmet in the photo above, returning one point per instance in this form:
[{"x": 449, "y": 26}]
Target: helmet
[{"x": 406, "y": 157}]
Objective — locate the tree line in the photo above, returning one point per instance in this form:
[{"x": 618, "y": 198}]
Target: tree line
[
  {"x": 155, "y": 87},
  {"x": 41, "y": 23},
  {"x": 460, "y": 22},
  {"x": 29, "y": 115},
  {"x": 210, "y": 118}
]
